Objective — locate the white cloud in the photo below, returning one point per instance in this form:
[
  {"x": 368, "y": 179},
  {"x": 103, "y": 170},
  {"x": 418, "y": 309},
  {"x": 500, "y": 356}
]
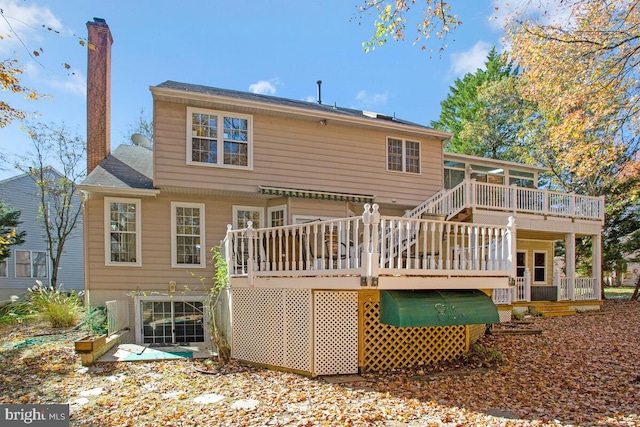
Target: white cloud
[
  {"x": 469, "y": 61},
  {"x": 24, "y": 23},
  {"x": 75, "y": 83},
  {"x": 265, "y": 87},
  {"x": 371, "y": 100}
]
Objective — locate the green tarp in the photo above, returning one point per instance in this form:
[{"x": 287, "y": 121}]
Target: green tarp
[{"x": 408, "y": 309}]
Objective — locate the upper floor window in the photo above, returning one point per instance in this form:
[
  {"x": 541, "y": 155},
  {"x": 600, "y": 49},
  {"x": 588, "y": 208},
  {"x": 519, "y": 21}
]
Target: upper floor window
[
  {"x": 403, "y": 155},
  {"x": 187, "y": 235},
  {"x": 31, "y": 263},
  {"x": 122, "y": 231},
  {"x": 218, "y": 138}
]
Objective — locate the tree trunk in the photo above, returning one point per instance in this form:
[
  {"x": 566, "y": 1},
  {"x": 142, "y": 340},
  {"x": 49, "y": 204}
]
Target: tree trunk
[{"x": 636, "y": 291}]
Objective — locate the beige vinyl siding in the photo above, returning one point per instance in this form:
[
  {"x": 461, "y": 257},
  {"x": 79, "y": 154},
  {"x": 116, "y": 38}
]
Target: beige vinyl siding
[
  {"x": 156, "y": 271},
  {"x": 299, "y": 154},
  {"x": 531, "y": 246}
]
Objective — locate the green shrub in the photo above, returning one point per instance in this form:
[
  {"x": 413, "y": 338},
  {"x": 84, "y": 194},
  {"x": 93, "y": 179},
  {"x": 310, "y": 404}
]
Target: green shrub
[
  {"x": 94, "y": 321},
  {"x": 59, "y": 308}
]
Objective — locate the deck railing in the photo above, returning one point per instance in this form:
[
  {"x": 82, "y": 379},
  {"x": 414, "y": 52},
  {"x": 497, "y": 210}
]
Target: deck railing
[
  {"x": 578, "y": 289},
  {"x": 522, "y": 290},
  {"x": 117, "y": 316},
  {"x": 371, "y": 245},
  {"x": 502, "y": 296},
  {"x": 481, "y": 195}
]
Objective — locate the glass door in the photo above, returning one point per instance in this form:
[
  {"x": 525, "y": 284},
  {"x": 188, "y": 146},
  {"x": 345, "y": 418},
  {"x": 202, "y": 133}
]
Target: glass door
[{"x": 172, "y": 322}]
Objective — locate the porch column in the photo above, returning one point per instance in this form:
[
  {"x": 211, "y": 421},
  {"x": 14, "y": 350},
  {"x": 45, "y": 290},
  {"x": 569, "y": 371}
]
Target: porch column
[
  {"x": 570, "y": 263},
  {"x": 596, "y": 268}
]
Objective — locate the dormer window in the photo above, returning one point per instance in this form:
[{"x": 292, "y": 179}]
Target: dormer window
[{"x": 218, "y": 138}]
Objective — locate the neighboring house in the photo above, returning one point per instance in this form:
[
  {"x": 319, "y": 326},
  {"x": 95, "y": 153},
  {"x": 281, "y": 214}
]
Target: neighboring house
[
  {"x": 31, "y": 261},
  {"x": 353, "y": 241}
]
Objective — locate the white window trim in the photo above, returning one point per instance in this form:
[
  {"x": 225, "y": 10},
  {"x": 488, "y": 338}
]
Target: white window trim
[
  {"x": 404, "y": 155},
  {"x": 6, "y": 268},
  {"x": 174, "y": 249},
  {"x": 31, "y": 251},
  {"x": 533, "y": 265},
  {"x": 526, "y": 256},
  {"x": 137, "y": 299},
  {"x": 220, "y": 114},
  {"x": 272, "y": 209},
  {"x": 107, "y": 232},
  {"x": 247, "y": 208}
]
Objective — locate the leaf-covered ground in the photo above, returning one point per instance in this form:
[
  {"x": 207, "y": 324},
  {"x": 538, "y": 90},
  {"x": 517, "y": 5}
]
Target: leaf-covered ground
[{"x": 581, "y": 370}]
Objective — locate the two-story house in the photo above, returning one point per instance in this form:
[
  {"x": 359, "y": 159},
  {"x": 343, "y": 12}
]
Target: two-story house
[
  {"x": 31, "y": 261},
  {"x": 353, "y": 241}
]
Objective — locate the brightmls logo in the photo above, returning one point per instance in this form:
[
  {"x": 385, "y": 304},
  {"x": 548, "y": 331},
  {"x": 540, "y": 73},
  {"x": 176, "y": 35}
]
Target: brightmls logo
[{"x": 34, "y": 415}]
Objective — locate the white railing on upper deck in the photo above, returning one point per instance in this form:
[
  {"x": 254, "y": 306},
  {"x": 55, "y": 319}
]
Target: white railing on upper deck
[
  {"x": 473, "y": 194},
  {"x": 371, "y": 245}
]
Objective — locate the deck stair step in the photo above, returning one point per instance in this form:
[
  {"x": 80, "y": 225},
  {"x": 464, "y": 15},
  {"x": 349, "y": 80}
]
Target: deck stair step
[{"x": 552, "y": 309}]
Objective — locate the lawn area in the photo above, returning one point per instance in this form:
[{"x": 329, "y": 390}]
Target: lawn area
[
  {"x": 618, "y": 292},
  {"x": 581, "y": 370}
]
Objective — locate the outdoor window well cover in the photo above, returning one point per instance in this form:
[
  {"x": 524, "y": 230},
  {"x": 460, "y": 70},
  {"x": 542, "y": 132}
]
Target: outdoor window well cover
[{"x": 406, "y": 309}]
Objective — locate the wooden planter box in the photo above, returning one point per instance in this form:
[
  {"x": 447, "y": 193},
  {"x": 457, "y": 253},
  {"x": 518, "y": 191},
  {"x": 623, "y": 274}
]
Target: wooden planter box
[{"x": 89, "y": 344}]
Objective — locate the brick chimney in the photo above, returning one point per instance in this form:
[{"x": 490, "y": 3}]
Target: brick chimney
[{"x": 98, "y": 93}]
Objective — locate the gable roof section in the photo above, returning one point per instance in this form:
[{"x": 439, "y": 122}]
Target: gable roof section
[
  {"x": 266, "y": 104},
  {"x": 128, "y": 170}
]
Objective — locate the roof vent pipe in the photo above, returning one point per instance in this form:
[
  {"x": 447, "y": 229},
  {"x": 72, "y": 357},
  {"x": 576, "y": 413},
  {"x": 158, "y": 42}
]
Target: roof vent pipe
[{"x": 319, "y": 82}]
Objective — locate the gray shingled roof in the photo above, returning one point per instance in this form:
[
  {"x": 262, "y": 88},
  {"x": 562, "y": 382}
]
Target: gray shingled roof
[
  {"x": 273, "y": 100},
  {"x": 128, "y": 167}
]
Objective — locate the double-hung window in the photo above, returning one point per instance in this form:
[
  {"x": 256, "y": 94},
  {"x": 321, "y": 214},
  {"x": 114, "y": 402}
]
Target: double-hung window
[
  {"x": 31, "y": 264},
  {"x": 217, "y": 138},
  {"x": 187, "y": 235},
  {"x": 3, "y": 268},
  {"x": 122, "y": 231},
  {"x": 403, "y": 155},
  {"x": 539, "y": 267}
]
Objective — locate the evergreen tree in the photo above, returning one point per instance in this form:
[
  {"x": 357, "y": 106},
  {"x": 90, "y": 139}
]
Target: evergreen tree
[
  {"x": 9, "y": 236},
  {"x": 484, "y": 111}
]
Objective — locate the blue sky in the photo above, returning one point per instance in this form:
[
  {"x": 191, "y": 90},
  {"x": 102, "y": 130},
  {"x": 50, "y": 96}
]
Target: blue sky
[{"x": 276, "y": 47}]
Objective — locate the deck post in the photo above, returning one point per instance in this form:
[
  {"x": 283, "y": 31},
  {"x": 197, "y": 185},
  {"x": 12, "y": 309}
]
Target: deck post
[
  {"x": 570, "y": 264},
  {"x": 596, "y": 268},
  {"x": 227, "y": 247},
  {"x": 370, "y": 255},
  {"x": 251, "y": 235},
  {"x": 511, "y": 246}
]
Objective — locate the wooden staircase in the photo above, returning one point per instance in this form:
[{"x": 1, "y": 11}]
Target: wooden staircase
[
  {"x": 461, "y": 216},
  {"x": 549, "y": 308}
]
